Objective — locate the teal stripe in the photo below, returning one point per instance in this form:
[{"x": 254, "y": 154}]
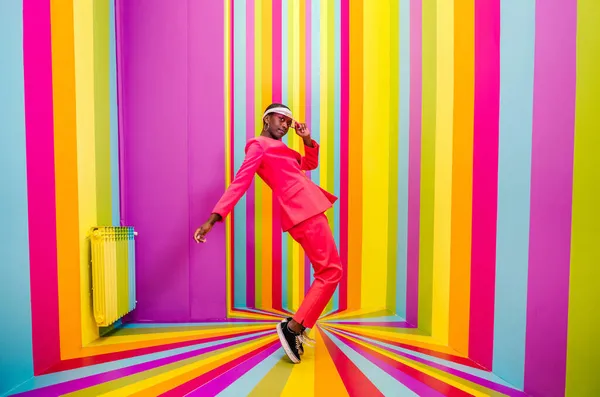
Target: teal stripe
[
  {"x": 16, "y": 365},
  {"x": 247, "y": 382},
  {"x": 315, "y": 101},
  {"x": 114, "y": 117},
  {"x": 239, "y": 130},
  {"x": 285, "y": 273},
  {"x": 383, "y": 381},
  {"x": 403, "y": 144},
  {"x": 337, "y": 93},
  {"x": 517, "y": 42}
]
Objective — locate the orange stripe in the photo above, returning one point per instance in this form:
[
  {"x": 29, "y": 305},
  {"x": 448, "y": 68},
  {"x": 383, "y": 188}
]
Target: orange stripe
[
  {"x": 462, "y": 176},
  {"x": 327, "y": 378},
  {"x": 355, "y": 156},
  {"x": 65, "y": 146}
]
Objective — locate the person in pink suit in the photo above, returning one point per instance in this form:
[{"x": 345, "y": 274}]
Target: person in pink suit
[{"x": 302, "y": 205}]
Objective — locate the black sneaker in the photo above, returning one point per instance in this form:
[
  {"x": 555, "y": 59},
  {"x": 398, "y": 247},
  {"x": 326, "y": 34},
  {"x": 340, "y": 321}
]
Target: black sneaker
[
  {"x": 300, "y": 346},
  {"x": 289, "y": 341}
]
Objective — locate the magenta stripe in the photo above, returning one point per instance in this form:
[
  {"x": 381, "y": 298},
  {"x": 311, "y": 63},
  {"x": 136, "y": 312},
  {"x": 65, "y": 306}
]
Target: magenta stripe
[
  {"x": 551, "y": 194},
  {"x": 275, "y": 208},
  {"x": 39, "y": 122},
  {"x": 219, "y": 384},
  {"x": 250, "y": 197},
  {"x": 344, "y": 147},
  {"x": 89, "y": 381},
  {"x": 414, "y": 166},
  {"x": 485, "y": 179}
]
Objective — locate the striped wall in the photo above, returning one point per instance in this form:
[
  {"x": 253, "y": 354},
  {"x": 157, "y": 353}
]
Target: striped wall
[
  {"x": 458, "y": 136},
  {"x": 59, "y": 109}
]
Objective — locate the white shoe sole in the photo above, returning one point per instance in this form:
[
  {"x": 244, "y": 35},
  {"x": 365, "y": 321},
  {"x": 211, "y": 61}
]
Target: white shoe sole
[{"x": 286, "y": 346}]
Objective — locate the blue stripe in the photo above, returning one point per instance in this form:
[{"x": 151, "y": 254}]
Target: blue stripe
[
  {"x": 383, "y": 381},
  {"x": 315, "y": 102},
  {"x": 239, "y": 130},
  {"x": 336, "y": 130},
  {"x": 403, "y": 144},
  {"x": 516, "y": 101},
  {"x": 284, "y": 98},
  {"x": 114, "y": 118},
  {"x": 16, "y": 365},
  {"x": 247, "y": 382}
]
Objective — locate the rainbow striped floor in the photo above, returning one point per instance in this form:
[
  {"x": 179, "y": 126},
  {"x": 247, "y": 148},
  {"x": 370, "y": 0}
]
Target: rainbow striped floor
[{"x": 360, "y": 354}]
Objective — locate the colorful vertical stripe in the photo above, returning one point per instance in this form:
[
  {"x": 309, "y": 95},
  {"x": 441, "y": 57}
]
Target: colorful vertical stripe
[{"x": 459, "y": 135}]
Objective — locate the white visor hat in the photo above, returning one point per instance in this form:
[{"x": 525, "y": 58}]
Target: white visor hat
[{"x": 281, "y": 110}]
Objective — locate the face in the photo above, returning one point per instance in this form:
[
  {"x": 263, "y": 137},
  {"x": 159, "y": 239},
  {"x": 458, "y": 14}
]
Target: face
[{"x": 279, "y": 125}]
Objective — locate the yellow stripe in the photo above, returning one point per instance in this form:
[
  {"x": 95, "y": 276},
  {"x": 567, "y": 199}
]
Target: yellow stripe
[
  {"x": 302, "y": 376},
  {"x": 443, "y": 170},
  {"x": 294, "y": 83},
  {"x": 229, "y": 264},
  {"x": 376, "y": 129},
  {"x": 83, "y": 17}
]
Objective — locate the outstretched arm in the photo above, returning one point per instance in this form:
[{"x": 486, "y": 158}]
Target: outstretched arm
[
  {"x": 235, "y": 191},
  {"x": 241, "y": 182}
]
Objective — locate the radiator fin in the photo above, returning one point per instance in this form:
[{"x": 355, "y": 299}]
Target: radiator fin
[{"x": 113, "y": 273}]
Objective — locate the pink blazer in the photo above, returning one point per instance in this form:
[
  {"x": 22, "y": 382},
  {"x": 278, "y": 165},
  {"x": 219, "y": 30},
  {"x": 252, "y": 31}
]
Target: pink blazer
[{"x": 282, "y": 170}]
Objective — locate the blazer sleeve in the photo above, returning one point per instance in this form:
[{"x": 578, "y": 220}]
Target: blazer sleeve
[
  {"x": 242, "y": 180},
  {"x": 310, "y": 160}
]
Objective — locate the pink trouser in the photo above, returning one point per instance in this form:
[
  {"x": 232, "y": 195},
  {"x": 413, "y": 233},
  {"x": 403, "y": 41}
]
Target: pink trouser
[{"x": 315, "y": 237}]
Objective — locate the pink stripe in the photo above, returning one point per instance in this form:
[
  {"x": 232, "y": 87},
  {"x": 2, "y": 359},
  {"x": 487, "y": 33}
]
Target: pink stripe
[
  {"x": 551, "y": 194},
  {"x": 277, "y": 235},
  {"x": 231, "y": 148},
  {"x": 39, "y": 124},
  {"x": 344, "y": 149},
  {"x": 414, "y": 165},
  {"x": 485, "y": 179},
  {"x": 250, "y": 121},
  {"x": 277, "y": 51}
]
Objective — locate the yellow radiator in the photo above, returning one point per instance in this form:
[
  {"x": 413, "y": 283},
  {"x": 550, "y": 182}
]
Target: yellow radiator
[{"x": 113, "y": 273}]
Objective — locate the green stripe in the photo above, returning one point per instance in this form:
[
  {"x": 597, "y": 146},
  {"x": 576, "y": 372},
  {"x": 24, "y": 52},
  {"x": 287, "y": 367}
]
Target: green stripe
[
  {"x": 427, "y": 165},
  {"x": 102, "y": 112},
  {"x": 393, "y": 166},
  {"x": 582, "y": 344},
  {"x": 274, "y": 381}
]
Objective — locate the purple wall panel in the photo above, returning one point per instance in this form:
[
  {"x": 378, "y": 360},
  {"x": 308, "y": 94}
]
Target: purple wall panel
[
  {"x": 172, "y": 106},
  {"x": 206, "y": 98}
]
